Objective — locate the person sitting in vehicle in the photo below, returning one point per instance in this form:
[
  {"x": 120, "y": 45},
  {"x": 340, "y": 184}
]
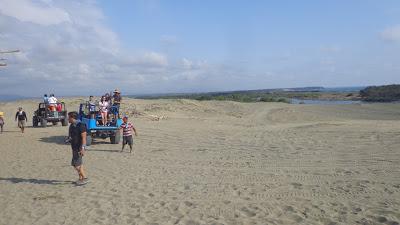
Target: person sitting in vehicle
[
  {"x": 103, "y": 105},
  {"x": 45, "y": 99}
]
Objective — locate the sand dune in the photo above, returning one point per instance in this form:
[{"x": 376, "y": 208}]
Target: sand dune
[{"x": 211, "y": 162}]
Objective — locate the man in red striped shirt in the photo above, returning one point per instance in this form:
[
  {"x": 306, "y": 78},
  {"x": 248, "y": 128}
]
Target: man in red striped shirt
[{"x": 127, "y": 128}]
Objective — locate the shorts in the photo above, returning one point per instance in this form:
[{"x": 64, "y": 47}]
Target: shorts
[
  {"x": 21, "y": 123},
  {"x": 115, "y": 109},
  {"x": 127, "y": 140},
  {"x": 76, "y": 158}
]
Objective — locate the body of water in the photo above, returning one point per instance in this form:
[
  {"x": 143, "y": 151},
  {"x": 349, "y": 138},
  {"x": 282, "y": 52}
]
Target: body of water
[{"x": 323, "y": 102}]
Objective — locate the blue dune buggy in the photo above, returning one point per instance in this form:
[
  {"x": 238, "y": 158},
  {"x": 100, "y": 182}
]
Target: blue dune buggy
[{"x": 95, "y": 128}]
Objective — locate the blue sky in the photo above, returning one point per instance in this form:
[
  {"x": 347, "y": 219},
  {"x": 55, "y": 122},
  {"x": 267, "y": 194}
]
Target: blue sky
[{"x": 154, "y": 46}]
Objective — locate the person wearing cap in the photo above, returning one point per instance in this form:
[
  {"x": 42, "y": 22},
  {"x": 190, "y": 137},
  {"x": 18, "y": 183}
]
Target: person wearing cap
[
  {"x": 116, "y": 103},
  {"x": 127, "y": 129},
  {"x": 22, "y": 119}
]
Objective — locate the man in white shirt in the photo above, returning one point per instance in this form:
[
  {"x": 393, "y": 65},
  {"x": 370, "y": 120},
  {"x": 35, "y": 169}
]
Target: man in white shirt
[{"x": 52, "y": 102}]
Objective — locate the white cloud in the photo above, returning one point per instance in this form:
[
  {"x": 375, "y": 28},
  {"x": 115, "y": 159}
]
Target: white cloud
[
  {"x": 84, "y": 68},
  {"x": 187, "y": 64},
  {"x": 391, "y": 33},
  {"x": 35, "y": 12},
  {"x": 191, "y": 65},
  {"x": 148, "y": 59},
  {"x": 71, "y": 51},
  {"x": 155, "y": 59},
  {"x": 111, "y": 68}
]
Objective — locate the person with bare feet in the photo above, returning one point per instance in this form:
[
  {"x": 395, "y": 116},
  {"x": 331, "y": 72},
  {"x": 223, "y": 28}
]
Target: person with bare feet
[
  {"x": 77, "y": 138},
  {"x": 127, "y": 138}
]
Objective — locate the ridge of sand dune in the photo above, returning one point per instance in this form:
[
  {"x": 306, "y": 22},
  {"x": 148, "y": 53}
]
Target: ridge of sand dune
[{"x": 211, "y": 162}]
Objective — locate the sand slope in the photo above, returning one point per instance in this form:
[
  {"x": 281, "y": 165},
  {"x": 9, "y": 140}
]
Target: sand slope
[{"x": 211, "y": 163}]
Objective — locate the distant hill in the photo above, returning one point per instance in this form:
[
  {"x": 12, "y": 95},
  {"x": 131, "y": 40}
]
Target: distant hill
[
  {"x": 385, "y": 93},
  {"x": 268, "y": 95}
]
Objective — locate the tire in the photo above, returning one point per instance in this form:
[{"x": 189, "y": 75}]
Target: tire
[
  {"x": 35, "y": 122},
  {"x": 43, "y": 123},
  {"x": 115, "y": 138},
  {"x": 88, "y": 140},
  {"x": 64, "y": 122},
  {"x": 55, "y": 123}
]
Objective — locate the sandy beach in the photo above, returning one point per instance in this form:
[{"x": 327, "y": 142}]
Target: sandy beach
[{"x": 210, "y": 162}]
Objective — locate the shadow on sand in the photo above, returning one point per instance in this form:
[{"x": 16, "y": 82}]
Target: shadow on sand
[
  {"x": 54, "y": 140},
  {"x": 103, "y": 150},
  {"x": 61, "y": 140},
  {"x": 11, "y": 131},
  {"x": 16, "y": 180}
]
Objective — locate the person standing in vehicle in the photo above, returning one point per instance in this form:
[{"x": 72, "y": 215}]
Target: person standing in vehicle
[
  {"x": 52, "y": 102},
  {"x": 116, "y": 103},
  {"x": 92, "y": 107},
  {"x": 103, "y": 105},
  {"x": 45, "y": 99},
  {"x": 22, "y": 119}
]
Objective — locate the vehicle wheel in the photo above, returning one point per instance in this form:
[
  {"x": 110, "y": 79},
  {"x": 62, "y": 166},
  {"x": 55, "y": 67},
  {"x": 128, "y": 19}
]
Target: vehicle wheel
[
  {"x": 64, "y": 122},
  {"x": 112, "y": 139},
  {"x": 117, "y": 136},
  {"x": 115, "y": 139},
  {"x": 35, "y": 121},
  {"x": 55, "y": 123},
  {"x": 88, "y": 140},
  {"x": 43, "y": 123}
]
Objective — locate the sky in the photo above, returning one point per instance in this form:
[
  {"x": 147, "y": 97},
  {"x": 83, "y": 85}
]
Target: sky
[{"x": 71, "y": 47}]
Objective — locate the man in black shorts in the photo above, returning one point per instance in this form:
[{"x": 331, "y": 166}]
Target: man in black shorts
[{"x": 77, "y": 138}]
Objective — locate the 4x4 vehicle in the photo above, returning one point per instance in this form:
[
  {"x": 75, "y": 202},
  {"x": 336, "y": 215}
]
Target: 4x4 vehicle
[
  {"x": 95, "y": 128},
  {"x": 45, "y": 114}
]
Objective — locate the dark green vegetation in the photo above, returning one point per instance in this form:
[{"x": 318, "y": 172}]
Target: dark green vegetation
[
  {"x": 386, "y": 93},
  {"x": 226, "y": 96},
  {"x": 268, "y": 95}
]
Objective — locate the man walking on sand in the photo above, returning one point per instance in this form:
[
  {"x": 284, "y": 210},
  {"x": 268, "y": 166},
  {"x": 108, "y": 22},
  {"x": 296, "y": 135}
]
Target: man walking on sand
[
  {"x": 22, "y": 119},
  {"x": 77, "y": 138}
]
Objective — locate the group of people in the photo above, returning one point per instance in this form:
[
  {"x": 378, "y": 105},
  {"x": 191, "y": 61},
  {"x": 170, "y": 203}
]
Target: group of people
[
  {"x": 51, "y": 101},
  {"x": 77, "y": 130},
  {"x": 106, "y": 106},
  {"x": 20, "y": 116}
]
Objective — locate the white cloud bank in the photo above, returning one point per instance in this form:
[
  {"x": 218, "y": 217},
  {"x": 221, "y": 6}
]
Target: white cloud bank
[
  {"x": 42, "y": 12},
  {"x": 66, "y": 48}
]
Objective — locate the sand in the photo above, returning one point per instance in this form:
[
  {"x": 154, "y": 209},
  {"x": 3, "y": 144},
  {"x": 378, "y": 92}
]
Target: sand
[{"x": 211, "y": 163}]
